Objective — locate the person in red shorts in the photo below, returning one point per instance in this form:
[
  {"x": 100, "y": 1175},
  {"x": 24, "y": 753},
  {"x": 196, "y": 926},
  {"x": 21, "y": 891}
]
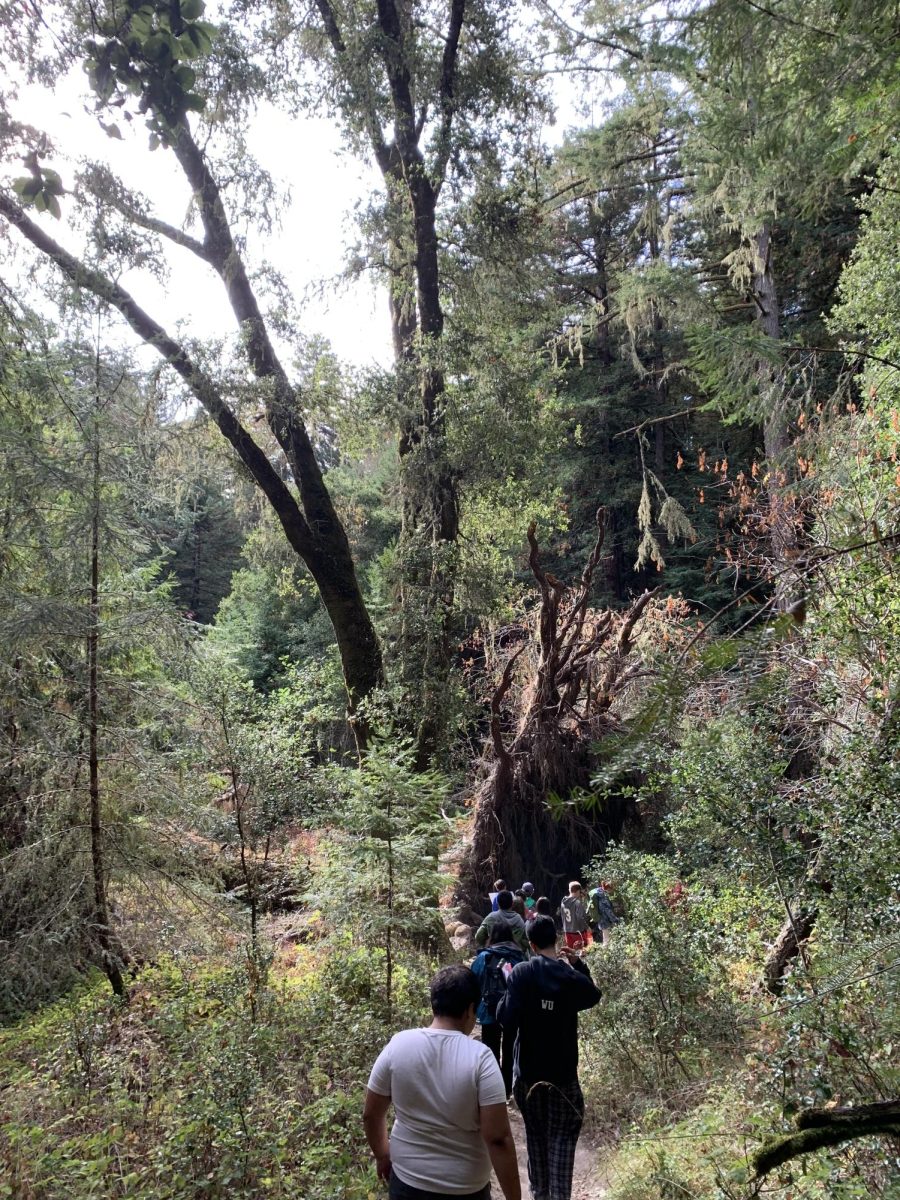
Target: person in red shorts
[{"x": 573, "y": 914}]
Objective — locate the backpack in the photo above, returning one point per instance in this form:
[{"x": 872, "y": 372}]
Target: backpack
[
  {"x": 493, "y": 986},
  {"x": 601, "y": 908}
]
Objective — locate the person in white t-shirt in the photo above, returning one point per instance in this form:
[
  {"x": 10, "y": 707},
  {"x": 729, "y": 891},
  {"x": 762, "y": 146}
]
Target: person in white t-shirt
[{"x": 451, "y": 1123}]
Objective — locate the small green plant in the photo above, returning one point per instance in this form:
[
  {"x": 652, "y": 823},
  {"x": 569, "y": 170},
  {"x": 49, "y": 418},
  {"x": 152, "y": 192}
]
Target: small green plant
[{"x": 384, "y": 879}]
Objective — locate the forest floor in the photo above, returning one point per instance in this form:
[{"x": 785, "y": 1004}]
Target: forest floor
[{"x": 588, "y": 1183}]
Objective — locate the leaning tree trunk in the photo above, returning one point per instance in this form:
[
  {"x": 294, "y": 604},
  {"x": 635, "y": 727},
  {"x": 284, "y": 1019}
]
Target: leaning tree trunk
[
  {"x": 311, "y": 524},
  {"x": 581, "y": 665}
]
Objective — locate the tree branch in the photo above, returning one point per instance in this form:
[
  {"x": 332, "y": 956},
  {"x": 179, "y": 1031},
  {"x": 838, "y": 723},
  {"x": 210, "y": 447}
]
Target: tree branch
[
  {"x": 282, "y": 407},
  {"x": 446, "y": 92},
  {"x": 386, "y": 160},
  {"x": 164, "y": 229},
  {"x": 399, "y": 81},
  {"x": 819, "y": 1128},
  {"x": 201, "y": 384},
  {"x": 108, "y": 189}
]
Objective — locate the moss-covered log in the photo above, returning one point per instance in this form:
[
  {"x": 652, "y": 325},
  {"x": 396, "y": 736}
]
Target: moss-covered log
[{"x": 819, "y": 1128}]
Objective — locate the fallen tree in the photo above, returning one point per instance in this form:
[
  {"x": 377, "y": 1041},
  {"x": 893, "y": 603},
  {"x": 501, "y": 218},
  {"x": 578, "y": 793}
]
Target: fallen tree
[{"x": 550, "y": 708}]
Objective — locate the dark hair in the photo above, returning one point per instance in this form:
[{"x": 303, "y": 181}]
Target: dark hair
[
  {"x": 453, "y": 990},
  {"x": 542, "y": 907},
  {"x": 541, "y": 932},
  {"x": 519, "y": 892},
  {"x": 504, "y": 899},
  {"x": 499, "y": 885}
]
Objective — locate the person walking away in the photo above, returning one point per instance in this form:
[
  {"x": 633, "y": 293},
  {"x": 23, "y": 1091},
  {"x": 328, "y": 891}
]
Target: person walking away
[
  {"x": 510, "y": 921},
  {"x": 492, "y": 967},
  {"x": 528, "y": 893},
  {"x": 600, "y": 914},
  {"x": 450, "y": 1118},
  {"x": 519, "y": 904},
  {"x": 543, "y": 999},
  {"x": 573, "y": 914},
  {"x": 499, "y": 886},
  {"x": 542, "y": 907}
]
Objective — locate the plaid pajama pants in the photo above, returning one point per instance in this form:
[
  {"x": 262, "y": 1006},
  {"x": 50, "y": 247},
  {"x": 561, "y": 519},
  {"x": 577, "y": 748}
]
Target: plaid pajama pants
[{"x": 553, "y": 1114}]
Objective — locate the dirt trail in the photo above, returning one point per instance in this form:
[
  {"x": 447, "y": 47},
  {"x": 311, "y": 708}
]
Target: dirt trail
[{"x": 588, "y": 1182}]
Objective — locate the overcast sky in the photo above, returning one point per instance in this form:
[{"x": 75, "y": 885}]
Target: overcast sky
[{"x": 310, "y": 248}]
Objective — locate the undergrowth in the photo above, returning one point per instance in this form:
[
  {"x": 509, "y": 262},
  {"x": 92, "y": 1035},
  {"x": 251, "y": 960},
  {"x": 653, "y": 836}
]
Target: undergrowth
[{"x": 208, "y": 1083}]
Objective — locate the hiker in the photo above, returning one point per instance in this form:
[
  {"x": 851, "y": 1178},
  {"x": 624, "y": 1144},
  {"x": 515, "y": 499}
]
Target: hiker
[
  {"x": 543, "y": 999},
  {"x": 506, "y": 917},
  {"x": 451, "y": 1124},
  {"x": 600, "y": 915},
  {"x": 519, "y": 904},
  {"x": 542, "y": 907},
  {"x": 492, "y": 966},
  {"x": 499, "y": 886},
  {"x": 573, "y": 915},
  {"x": 528, "y": 893}
]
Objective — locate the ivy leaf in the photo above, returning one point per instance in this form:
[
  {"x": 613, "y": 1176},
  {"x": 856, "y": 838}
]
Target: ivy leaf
[
  {"x": 141, "y": 24},
  {"x": 112, "y": 131},
  {"x": 53, "y": 206},
  {"x": 192, "y": 9},
  {"x": 102, "y": 78},
  {"x": 186, "y": 78},
  {"x": 201, "y": 34}
]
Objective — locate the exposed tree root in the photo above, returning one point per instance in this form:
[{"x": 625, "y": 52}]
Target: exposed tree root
[{"x": 550, "y": 708}]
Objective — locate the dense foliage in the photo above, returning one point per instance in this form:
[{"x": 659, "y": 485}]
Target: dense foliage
[{"x": 281, "y": 638}]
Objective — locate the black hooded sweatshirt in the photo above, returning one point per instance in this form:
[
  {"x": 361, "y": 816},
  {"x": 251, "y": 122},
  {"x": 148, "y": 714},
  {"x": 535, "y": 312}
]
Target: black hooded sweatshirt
[{"x": 543, "y": 999}]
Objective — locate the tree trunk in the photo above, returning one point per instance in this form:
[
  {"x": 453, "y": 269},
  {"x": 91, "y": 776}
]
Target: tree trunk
[
  {"x": 431, "y": 514},
  {"x": 430, "y": 504},
  {"x": 776, "y": 431},
  {"x": 312, "y": 527},
  {"x": 109, "y": 951},
  {"x": 600, "y": 236}
]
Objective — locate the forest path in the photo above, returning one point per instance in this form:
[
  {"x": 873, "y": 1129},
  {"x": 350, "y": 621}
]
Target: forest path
[{"x": 588, "y": 1182}]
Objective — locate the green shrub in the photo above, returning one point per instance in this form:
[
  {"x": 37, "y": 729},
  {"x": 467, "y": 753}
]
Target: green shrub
[{"x": 205, "y": 1085}]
